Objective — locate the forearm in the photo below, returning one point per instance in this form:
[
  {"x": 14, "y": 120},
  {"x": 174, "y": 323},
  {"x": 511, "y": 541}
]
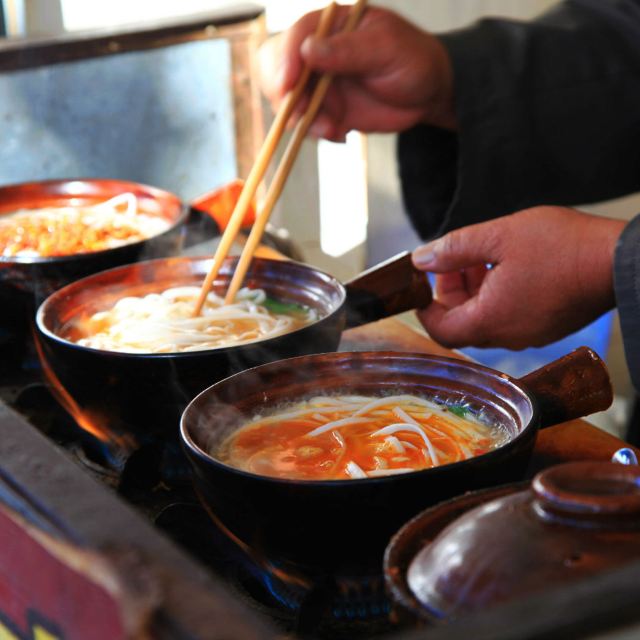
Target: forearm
[
  {"x": 627, "y": 292},
  {"x": 546, "y": 112}
]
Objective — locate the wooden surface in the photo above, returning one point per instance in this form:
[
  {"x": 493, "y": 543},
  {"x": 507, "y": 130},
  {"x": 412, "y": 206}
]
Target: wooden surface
[{"x": 574, "y": 440}]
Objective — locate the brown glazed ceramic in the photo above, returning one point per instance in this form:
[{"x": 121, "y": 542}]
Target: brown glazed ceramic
[
  {"x": 344, "y": 525},
  {"x": 577, "y": 519},
  {"x": 143, "y": 395}
]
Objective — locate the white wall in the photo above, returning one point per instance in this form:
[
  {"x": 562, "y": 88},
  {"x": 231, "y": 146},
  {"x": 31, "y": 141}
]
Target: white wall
[{"x": 89, "y": 14}]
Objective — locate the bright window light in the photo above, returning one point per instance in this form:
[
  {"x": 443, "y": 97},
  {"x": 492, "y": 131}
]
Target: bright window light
[
  {"x": 14, "y": 16},
  {"x": 80, "y": 14},
  {"x": 84, "y": 14},
  {"x": 343, "y": 194}
]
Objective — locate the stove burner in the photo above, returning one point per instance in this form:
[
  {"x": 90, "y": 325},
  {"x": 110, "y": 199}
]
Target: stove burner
[
  {"x": 37, "y": 404},
  {"x": 326, "y": 607},
  {"x": 156, "y": 480}
]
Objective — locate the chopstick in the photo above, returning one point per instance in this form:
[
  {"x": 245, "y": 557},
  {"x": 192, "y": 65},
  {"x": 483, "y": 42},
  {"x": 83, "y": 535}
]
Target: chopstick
[
  {"x": 284, "y": 168},
  {"x": 262, "y": 162}
]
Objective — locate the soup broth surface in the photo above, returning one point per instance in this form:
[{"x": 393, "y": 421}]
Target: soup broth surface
[{"x": 340, "y": 437}]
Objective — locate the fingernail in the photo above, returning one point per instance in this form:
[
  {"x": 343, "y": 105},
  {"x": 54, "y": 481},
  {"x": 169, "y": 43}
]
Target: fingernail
[{"x": 424, "y": 256}]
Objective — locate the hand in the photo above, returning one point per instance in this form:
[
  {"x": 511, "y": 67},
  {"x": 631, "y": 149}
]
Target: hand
[
  {"x": 390, "y": 75},
  {"x": 551, "y": 273}
]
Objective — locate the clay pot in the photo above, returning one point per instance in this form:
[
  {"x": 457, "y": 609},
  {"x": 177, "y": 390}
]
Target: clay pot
[
  {"x": 344, "y": 525},
  {"x": 574, "y": 521},
  {"x": 141, "y": 396}
]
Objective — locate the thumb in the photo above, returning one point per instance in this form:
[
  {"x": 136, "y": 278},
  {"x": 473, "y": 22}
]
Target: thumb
[
  {"x": 466, "y": 247},
  {"x": 460, "y": 326}
]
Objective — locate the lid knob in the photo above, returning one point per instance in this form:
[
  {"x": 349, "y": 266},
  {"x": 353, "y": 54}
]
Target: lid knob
[{"x": 589, "y": 494}]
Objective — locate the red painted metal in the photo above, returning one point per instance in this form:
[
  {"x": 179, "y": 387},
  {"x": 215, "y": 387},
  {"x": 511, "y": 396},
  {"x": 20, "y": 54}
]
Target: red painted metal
[{"x": 43, "y": 595}]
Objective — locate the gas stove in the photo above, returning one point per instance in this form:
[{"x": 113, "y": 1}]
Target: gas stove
[
  {"x": 155, "y": 480},
  {"x": 139, "y": 510}
]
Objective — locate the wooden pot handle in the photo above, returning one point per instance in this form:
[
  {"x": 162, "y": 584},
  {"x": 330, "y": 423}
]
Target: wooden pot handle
[
  {"x": 389, "y": 288},
  {"x": 573, "y": 386}
]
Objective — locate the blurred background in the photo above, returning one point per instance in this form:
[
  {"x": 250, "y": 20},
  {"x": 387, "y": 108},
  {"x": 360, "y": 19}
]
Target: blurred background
[{"x": 168, "y": 118}]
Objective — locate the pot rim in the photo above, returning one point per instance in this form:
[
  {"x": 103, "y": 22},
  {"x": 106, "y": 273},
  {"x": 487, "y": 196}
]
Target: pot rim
[
  {"x": 193, "y": 448},
  {"x": 395, "y": 576},
  {"x": 154, "y": 192},
  {"x": 202, "y": 353}
]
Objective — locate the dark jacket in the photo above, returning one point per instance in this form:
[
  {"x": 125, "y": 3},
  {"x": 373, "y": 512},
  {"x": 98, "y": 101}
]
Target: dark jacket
[{"x": 548, "y": 113}]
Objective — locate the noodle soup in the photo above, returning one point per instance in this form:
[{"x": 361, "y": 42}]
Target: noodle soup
[
  {"x": 69, "y": 230},
  {"x": 342, "y": 437},
  {"x": 164, "y": 322}
]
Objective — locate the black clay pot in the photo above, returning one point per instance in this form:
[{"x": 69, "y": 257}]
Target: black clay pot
[
  {"x": 344, "y": 525},
  {"x": 140, "y": 397}
]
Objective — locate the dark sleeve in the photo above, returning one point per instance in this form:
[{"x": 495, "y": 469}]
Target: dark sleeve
[
  {"x": 548, "y": 113},
  {"x": 627, "y": 290}
]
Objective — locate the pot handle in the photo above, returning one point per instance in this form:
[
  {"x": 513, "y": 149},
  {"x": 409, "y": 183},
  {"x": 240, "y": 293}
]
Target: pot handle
[
  {"x": 388, "y": 288},
  {"x": 573, "y": 386}
]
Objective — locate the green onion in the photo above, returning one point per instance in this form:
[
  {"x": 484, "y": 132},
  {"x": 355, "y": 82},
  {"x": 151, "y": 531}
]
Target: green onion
[
  {"x": 458, "y": 410},
  {"x": 284, "y": 308}
]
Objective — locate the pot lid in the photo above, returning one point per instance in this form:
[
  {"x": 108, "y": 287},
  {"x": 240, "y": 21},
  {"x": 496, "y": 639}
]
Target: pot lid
[{"x": 577, "y": 519}]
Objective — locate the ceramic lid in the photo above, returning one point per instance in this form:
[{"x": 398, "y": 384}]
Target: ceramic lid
[{"x": 578, "y": 519}]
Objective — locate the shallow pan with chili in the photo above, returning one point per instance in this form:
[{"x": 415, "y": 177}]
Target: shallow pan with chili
[
  {"x": 345, "y": 524},
  {"x": 144, "y": 394},
  {"x": 41, "y": 275}
]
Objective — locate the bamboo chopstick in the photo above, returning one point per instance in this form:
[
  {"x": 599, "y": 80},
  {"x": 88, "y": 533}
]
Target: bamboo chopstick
[
  {"x": 262, "y": 162},
  {"x": 284, "y": 168}
]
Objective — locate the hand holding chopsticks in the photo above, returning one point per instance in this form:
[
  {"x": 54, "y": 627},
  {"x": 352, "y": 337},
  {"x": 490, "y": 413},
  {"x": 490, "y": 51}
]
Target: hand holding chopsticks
[{"x": 283, "y": 170}]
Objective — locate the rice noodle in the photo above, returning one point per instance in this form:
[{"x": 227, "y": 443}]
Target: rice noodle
[
  {"x": 376, "y": 473},
  {"x": 383, "y": 402},
  {"x": 354, "y": 470},
  {"x": 381, "y": 463},
  {"x": 403, "y": 415},
  {"x": 402, "y": 426},
  {"x": 395, "y": 443},
  {"x": 317, "y": 411},
  {"x": 339, "y": 439},
  {"x": 164, "y": 323},
  {"x": 336, "y": 424}
]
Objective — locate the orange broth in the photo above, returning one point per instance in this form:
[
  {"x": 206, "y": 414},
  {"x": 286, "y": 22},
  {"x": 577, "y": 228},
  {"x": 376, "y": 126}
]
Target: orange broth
[{"x": 341, "y": 437}]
